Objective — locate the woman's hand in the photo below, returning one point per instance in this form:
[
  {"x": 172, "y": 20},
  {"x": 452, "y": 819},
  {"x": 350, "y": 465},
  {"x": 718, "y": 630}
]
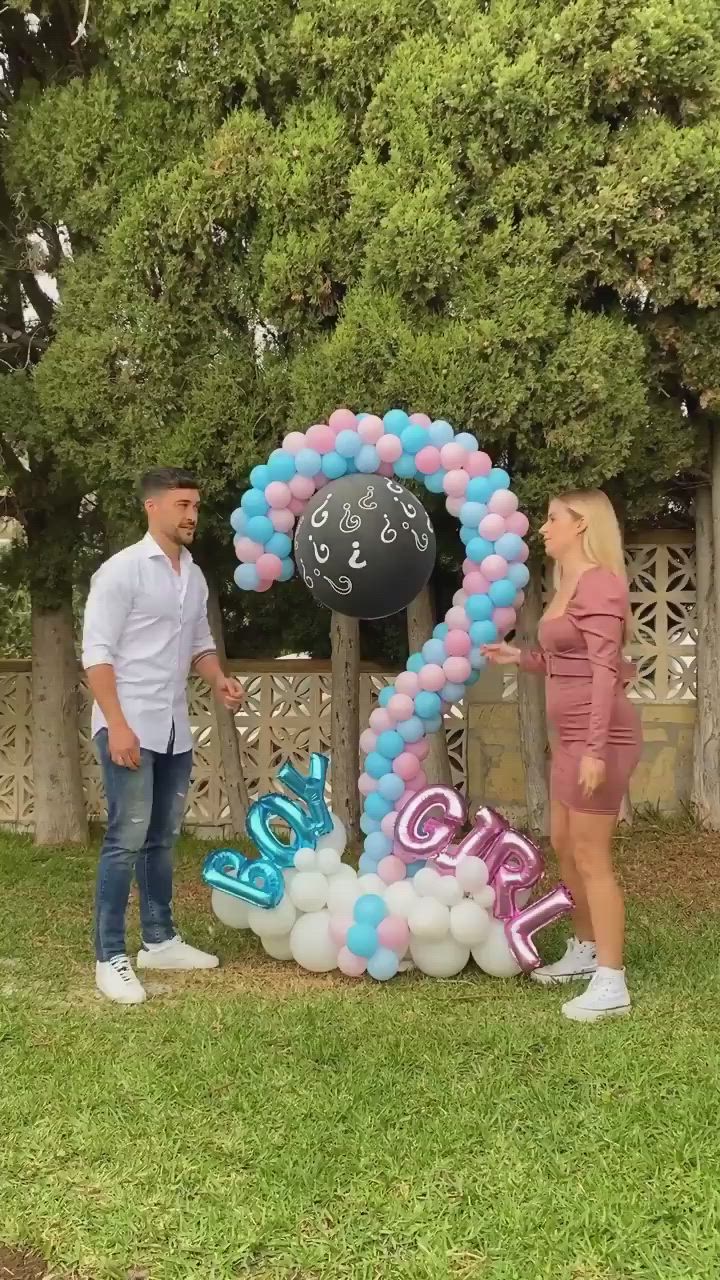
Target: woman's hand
[
  {"x": 501, "y": 654},
  {"x": 591, "y": 774}
]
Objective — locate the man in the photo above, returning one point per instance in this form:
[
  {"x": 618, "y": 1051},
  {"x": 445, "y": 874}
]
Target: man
[{"x": 146, "y": 626}]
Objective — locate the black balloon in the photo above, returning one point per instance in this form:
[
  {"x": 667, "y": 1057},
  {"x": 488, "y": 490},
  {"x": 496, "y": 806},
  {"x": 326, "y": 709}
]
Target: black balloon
[{"x": 364, "y": 546}]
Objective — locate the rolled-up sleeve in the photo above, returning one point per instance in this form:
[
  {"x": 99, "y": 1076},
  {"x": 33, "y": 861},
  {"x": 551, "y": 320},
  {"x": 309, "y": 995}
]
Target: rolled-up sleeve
[
  {"x": 202, "y": 636},
  {"x": 106, "y": 611}
]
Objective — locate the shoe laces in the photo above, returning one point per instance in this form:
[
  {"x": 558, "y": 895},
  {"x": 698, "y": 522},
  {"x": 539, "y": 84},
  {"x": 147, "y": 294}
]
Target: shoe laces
[{"x": 122, "y": 968}]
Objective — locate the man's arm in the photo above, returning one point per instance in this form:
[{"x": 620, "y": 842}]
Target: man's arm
[
  {"x": 105, "y": 614},
  {"x": 207, "y": 665}
]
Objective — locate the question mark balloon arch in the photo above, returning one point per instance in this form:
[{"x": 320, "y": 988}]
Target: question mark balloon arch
[{"x": 492, "y": 529}]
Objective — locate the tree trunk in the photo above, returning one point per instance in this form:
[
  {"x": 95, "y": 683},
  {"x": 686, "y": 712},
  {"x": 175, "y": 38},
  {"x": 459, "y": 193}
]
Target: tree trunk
[
  {"x": 345, "y": 732},
  {"x": 532, "y": 720},
  {"x": 230, "y": 754},
  {"x": 706, "y": 747},
  {"x": 420, "y": 623},
  {"x": 60, "y": 813}
]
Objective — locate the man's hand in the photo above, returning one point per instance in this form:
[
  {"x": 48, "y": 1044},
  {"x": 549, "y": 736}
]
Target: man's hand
[
  {"x": 124, "y": 746},
  {"x": 229, "y": 692},
  {"x": 591, "y": 774}
]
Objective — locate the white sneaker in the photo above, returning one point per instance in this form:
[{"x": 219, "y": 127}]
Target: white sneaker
[
  {"x": 579, "y": 961},
  {"x": 174, "y": 954},
  {"x": 116, "y": 980},
  {"x": 607, "y": 996}
]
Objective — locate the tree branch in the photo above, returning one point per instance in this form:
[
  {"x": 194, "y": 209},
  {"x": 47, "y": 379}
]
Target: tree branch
[{"x": 39, "y": 300}]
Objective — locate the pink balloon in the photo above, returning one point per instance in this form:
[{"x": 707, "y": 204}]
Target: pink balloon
[
  {"x": 478, "y": 464},
  {"x": 263, "y": 585},
  {"x": 458, "y": 644},
  {"x": 452, "y": 457},
  {"x": 386, "y": 469},
  {"x": 390, "y": 870},
  {"x": 522, "y": 554},
  {"x": 469, "y": 566},
  {"x": 297, "y": 506},
  {"x": 370, "y": 430},
  {"x": 302, "y": 487},
  {"x": 406, "y": 766},
  {"x": 418, "y": 782},
  {"x": 338, "y": 929},
  {"x": 517, "y": 523},
  {"x": 366, "y": 784},
  {"x": 419, "y": 749},
  {"x": 294, "y": 442},
  {"x": 427, "y": 460},
  {"x": 459, "y": 598},
  {"x": 368, "y": 741},
  {"x": 420, "y": 420},
  {"x": 248, "y": 551},
  {"x": 514, "y": 863},
  {"x": 351, "y": 965},
  {"x": 321, "y": 437},
  {"x": 519, "y": 601},
  {"x": 494, "y": 567},
  {"x": 283, "y": 521},
  {"x": 393, "y": 931},
  {"x": 380, "y": 720},
  {"x": 387, "y": 826},
  {"x": 342, "y": 420},
  {"x": 269, "y": 566},
  {"x": 429, "y": 821},
  {"x": 504, "y": 619},
  {"x": 457, "y": 670},
  {"x": 407, "y": 682},
  {"x": 476, "y": 584},
  {"x": 321, "y": 480},
  {"x": 519, "y": 929},
  {"x": 456, "y": 481},
  {"x": 431, "y": 677},
  {"x": 389, "y": 448},
  {"x": 278, "y": 495},
  {"x": 401, "y": 707},
  {"x": 503, "y": 503},
  {"x": 457, "y": 619},
  {"x": 454, "y": 506},
  {"x": 492, "y": 528},
  {"x": 488, "y": 826}
]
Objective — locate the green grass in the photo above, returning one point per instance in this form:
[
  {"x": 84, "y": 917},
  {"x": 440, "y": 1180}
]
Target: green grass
[{"x": 252, "y": 1123}]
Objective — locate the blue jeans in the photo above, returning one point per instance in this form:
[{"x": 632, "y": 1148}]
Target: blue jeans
[{"x": 145, "y": 813}]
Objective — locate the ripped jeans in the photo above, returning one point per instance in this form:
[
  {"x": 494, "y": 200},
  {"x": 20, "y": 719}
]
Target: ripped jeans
[{"x": 145, "y": 813}]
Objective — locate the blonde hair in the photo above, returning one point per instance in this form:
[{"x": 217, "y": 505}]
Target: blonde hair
[{"x": 602, "y": 542}]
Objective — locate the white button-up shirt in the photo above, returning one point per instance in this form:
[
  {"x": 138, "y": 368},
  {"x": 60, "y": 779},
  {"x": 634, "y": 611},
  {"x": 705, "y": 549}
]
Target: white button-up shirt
[{"x": 149, "y": 623}]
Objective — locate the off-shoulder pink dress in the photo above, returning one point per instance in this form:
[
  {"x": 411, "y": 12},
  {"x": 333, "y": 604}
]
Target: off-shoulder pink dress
[{"x": 588, "y": 709}]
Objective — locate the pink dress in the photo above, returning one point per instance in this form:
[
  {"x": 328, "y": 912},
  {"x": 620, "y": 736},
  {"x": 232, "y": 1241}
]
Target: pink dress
[{"x": 588, "y": 708}]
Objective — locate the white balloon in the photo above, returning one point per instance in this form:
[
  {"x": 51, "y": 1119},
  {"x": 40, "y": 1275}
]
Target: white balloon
[
  {"x": 448, "y": 891},
  {"x": 371, "y": 883},
  {"x": 494, "y": 956},
  {"x": 311, "y": 944},
  {"x": 469, "y": 924},
  {"x": 278, "y": 948},
  {"x": 342, "y": 895},
  {"x": 309, "y": 891},
  {"x": 401, "y": 898},
  {"x": 335, "y": 839},
  {"x": 471, "y": 874},
  {"x": 439, "y": 959},
  {"x": 485, "y": 898},
  {"x": 275, "y": 922},
  {"x": 230, "y": 910},
  {"x": 328, "y": 861},
  {"x": 306, "y": 860},
  {"x": 346, "y": 871},
  {"x": 429, "y": 920},
  {"x": 427, "y": 882}
]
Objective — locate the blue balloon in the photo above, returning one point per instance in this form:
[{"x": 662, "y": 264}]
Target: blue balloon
[
  {"x": 411, "y": 730},
  {"x": 414, "y": 438},
  {"x": 383, "y": 965},
  {"x": 440, "y": 433},
  {"x": 479, "y": 490},
  {"x": 453, "y": 692},
  {"x": 390, "y": 744},
  {"x": 246, "y": 577},
  {"x": 367, "y": 460},
  {"x": 254, "y": 503},
  {"x": 414, "y": 867},
  {"x": 467, "y": 441},
  {"x": 471, "y": 513},
  {"x": 370, "y": 909},
  {"x": 308, "y": 462},
  {"x": 433, "y": 651},
  {"x": 334, "y": 465},
  {"x": 367, "y": 865},
  {"x": 378, "y": 845},
  {"x": 368, "y": 824},
  {"x": 238, "y": 521},
  {"x": 415, "y": 663},
  {"x": 256, "y": 881},
  {"x": 483, "y": 632},
  {"x": 259, "y": 829},
  {"x": 279, "y": 545},
  {"x": 260, "y": 529},
  {"x": 478, "y": 549},
  {"x": 376, "y": 766},
  {"x": 519, "y": 575},
  {"x": 479, "y": 608},
  {"x": 427, "y": 705},
  {"x": 405, "y": 467},
  {"x": 474, "y": 674},
  {"x": 348, "y": 443},
  {"x": 385, "y": 695},
  {"x": 281, "y": 466},
  {"x": 288, "y": 570},
  {"x": 260, "y": 477},
  {"x": 440, "y": 631},
  {"x": 434, "y": 725},
  {"x": 376, "y": 807},
  {"x": 436, "y": 482},
  {"x": 390, "y": 787},
  {"x": 362, "y": 940},
  {"x": 396, "y": 421},
  {"x": 478, "y": 660},
  {"x": 467, "y": 534},
  {"x": 499, "y": 479},
  {"x": 509, "y": 545},
  {"x": 502, "y": 593}
]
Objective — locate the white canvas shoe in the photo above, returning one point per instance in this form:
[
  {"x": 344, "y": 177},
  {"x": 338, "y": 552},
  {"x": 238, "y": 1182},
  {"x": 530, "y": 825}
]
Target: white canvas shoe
[
  {"x": 607, "y": 996},
  {"x": 579, "y": 961},
  {"x": 175, "y": 954},
  {"x": 116, "y": 980}
]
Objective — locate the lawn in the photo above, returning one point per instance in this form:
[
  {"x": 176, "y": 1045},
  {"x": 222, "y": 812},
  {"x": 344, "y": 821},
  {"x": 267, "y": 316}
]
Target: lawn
[{"x": 258, "y": 1122}]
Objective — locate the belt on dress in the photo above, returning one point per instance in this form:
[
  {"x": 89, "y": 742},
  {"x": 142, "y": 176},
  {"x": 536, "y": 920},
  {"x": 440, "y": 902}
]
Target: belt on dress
[{"x": 555, "y": 665}]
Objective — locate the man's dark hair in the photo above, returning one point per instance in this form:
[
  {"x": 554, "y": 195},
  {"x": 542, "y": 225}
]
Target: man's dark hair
[{"x": 161, "y": 479}]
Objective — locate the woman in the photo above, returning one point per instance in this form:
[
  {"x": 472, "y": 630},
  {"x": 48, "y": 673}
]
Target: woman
[{"x": 597, "y": 738}]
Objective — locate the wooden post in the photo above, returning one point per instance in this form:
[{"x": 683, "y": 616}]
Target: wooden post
[
  {"x": 532, "y": 720},
  {"x": 420, "y": 623},
  {"x": 235, "y": 785},
  {"x": 706, "y": 746},
  {"x": 345, "y": 733}
]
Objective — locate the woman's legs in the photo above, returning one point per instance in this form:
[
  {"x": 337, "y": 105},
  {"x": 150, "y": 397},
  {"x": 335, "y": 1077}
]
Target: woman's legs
[
  {"x": 590, "y": 844},
  {"x": 562, "y": 844}
]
